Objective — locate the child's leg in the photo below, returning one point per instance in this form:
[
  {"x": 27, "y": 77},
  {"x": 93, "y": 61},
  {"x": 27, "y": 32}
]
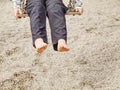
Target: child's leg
[
  {"x": 37, "y": 13},
  {"x": 56, "y": 14}
]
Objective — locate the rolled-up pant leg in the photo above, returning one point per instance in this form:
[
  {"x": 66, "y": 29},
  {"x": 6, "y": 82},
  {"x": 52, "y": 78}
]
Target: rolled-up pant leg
[
  {"x": 56, "y": 14},
  {"x": 37, "y": 12}
]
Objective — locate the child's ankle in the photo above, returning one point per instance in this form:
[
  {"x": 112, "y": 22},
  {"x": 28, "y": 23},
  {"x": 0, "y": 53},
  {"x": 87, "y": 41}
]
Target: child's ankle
[
  {"x": 61, "y": 40},
  {"x": 39, "y": 40}
]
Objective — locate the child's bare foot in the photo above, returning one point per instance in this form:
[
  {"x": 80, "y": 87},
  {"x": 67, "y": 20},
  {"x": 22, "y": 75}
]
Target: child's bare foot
[
  {"x": 62, "y": 46},
  {"x": 17, "y": 11},
  {"x": 40, "y": 45},
  {"x": 80, "y": 10}
]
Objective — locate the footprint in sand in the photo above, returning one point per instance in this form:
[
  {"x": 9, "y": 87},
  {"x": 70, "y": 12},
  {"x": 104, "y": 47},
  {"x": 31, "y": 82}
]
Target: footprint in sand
[
  {"x": 12, "y": 51},
  {"x": 19, "y": 81},
  {"x": 8, "y": 84}
]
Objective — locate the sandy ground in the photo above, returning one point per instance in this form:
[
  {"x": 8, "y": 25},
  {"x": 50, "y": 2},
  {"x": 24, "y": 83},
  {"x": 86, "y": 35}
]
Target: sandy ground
[{"x": 93, "y": 63}]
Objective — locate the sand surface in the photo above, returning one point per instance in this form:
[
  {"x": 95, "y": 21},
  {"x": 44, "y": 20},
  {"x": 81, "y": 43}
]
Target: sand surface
[{"x": 93, "y": 63}]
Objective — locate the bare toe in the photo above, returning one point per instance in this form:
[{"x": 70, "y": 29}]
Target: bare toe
[
  {"x": 62, "y": 46},
  {"x": 40, "y": 45},
  {"x": 42, "y": 48},
  {"x": 63, "y": 49}
]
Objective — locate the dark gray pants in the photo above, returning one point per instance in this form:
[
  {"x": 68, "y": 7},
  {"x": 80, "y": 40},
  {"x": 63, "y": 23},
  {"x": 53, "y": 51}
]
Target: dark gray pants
[{"x": 55, "y": 11}]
